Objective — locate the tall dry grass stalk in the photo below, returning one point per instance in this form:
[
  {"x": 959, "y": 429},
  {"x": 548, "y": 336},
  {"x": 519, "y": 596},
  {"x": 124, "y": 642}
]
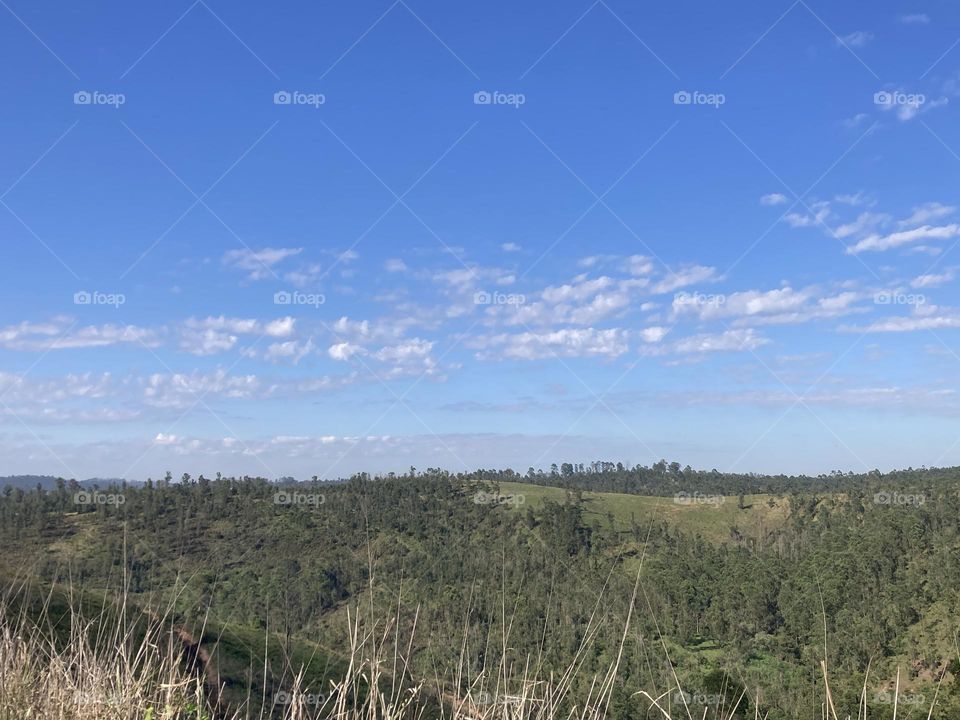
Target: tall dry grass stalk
[
  {"x": 111, "y": 667},
  {"x": 91, "y": 670},
  {"x": 69, "y": 666}
]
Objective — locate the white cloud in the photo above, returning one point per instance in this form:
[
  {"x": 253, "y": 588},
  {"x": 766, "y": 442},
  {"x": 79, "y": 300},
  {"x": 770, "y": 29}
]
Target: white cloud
[
  {"x": 258, "y": 263},
  {"x": 343, "y": 351},
  {"x": 407, "y": 350},
  {"x": 211, "y": 335},
  {"x": 282, "y": 327},
  {"x": 931, "y": 280},
  {"x": 601, "y": 307},
  {"x": 915, "y": 19},
  {"x": 364, "y": 331},
  {"x": 408, "y": 357},
  {"x": 727, "y": 341},
  {"x": 882, "y": 397},
  {"x": 61, "y": 334},
  {"x": 773, "y": 199},
  {"x": 639, "y": 265},
  {"x": 72, "y": 398},
  {"x": 510, "y": 247},
  {"x": 84, "y": 398},
  {"x": 395, "y": 265},
  {"x": 771, "y": 307},
  {"x": 580, "y": 289},
  {"x": 871, "y": 229},
  {"x": 747, "y": 303},
  {"x": 854, "y": 199},
  {"x": 581, "y": 342},
  {"x": 820, "y": 210},
  {"x": 683, "y": 278},
  {"x": 291, "y": 351},
  {"x": 14, "y": 386},
  {"x": 865, "y": 221},
  {"x": 582, "y": 301},
  {"x": 925, "y": 249},
  {"x": 221, "y": 322},
  {"x": 923, "y": 214},
  {"x": 858, "y": 38},
  {"x": 798, "y": 220},
  {"x": 466, "y": 279},
  {"x": 589, "y": 261},
  {"x": 197, "y": 336},
  {"x": 855, "y": 120},
  {"x": 635, "y": 265},
  {"x": 206, "y": 342},
  {"x": 459, "y": 285},
  {"x": 586, "y": 300},
  {"x": 653, "y": 334},
  {"x": 179, "y": 390},
  {"x": 304, "y": 276},
  {"x": 838, "y": 304},
  {"x": 886, "y": 242},
  {"x": 910, "y": 323},
  {"x": 912, "y": 104},
  {"x": 104, "y": 335}
]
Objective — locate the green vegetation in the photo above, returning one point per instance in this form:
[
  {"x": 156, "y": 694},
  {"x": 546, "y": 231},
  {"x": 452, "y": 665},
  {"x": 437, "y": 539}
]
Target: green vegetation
[
  {"x": 713, "y": 517},
  {"x": 731, "y": 593}
]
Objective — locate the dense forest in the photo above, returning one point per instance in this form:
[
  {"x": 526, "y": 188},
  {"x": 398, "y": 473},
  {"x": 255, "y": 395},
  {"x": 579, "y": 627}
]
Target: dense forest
[
  {"x": 858, "y": 570},
  {"x": 663, "y": 478}
]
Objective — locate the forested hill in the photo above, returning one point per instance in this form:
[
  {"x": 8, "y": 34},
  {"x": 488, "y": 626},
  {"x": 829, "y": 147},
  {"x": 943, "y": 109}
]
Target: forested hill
[
  {"x": 746, "y": 606},
  {"x": 667, "y": 479}
]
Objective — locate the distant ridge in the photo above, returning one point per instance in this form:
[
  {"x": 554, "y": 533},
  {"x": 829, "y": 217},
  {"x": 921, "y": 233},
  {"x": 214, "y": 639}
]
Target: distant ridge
[{"x": 49, "y": 482}]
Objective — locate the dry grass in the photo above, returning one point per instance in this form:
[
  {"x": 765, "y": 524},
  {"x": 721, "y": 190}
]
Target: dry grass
[
  {"x": 112, "y": 667},
  {"x": 92, "y": 675},
  {"x": 109, "y": 668}
]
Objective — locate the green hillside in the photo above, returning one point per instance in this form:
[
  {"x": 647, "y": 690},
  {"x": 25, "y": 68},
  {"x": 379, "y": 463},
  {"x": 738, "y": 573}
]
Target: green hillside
[
  {"x": 459, "y": 574},
  {"x": 712, "y": 516}
]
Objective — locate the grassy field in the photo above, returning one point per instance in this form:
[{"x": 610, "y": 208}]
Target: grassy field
[{"x": 712, "y": 517}]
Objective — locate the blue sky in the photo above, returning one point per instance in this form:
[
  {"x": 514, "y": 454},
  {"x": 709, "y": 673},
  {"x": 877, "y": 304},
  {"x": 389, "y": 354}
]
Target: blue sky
[{"x": 311, "y": 240}]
